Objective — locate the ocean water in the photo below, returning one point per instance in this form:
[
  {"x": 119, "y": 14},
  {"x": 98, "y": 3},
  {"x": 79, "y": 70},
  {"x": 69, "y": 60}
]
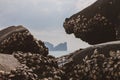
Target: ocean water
[{"x": 59, "y": 53}]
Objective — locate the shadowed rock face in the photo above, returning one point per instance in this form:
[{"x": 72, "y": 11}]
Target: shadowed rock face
[
  {"x": 103, "y": 48},
  {"x": 18, "y": 38},
  {"x": 97, "y": 23}
]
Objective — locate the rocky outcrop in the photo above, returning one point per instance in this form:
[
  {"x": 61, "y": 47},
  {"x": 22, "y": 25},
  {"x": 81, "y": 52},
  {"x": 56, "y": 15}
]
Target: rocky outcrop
[
  {"x": 18, "y": 38},
  {"x": 98, "y": 62},
  {"x": 59, "y": 47},
  {"x": 97, "y": 23},
  {"x": 34, "y": 67},
  {"x": 95, "y": 67},
  {"x": 49, "y": 45},
  {"x": 66, "y": 58},
  {"x": 104, "y": 48},
  {"x": 18, "y": 46}
]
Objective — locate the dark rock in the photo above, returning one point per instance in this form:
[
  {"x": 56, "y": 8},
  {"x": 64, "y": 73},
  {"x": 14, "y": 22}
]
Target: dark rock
[
  {"x": 95, "y": 67},
  {"x": 66, "y": 58},
  {"x": 18, "y": 38},
  {"x": 97, "y": 23},
  {"x": 20, "y": 73},
  {"x": 30, "y": 53},
  {"x": 42, "y": 66},
  {"x": 104, "y": 48},
  {"x": 8, "y": 62},
  {"x": 59, "y": 47}
]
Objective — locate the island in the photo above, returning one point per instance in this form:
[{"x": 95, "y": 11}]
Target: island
[{"x": 59, "y": 47}]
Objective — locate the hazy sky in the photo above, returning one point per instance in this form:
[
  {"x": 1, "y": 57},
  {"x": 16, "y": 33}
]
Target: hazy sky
[{"x": 44, "y": 18}]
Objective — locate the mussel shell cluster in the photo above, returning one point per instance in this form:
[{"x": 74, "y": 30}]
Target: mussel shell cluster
[
  {"x": 95, "y": 67},
  {"x": 34, "y": 67},
  {"x": 43, "y": 67},
  {"x": 20, "y": 73}
]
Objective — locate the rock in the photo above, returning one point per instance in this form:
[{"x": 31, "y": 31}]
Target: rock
[
  {"x": 97, "y": 23},
  {"x": 66, "y": 58},
  {"x": 42, "y": 66},
  {"x": 104, "y": 48},
  {"x": 8, "y": 62},
  {"x": 59, "y": 47},
  {"x": 20, "y": 73},
  {"x": 30, "y": 60},
  {"x": 18, "y": 38},
  {"x": 95, "y": 67}
]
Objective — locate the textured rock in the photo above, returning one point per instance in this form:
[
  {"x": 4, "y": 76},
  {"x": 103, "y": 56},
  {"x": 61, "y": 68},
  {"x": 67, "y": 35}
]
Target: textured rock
[
  {"x": 18, "y": 38},
  {"x": 95, "y": 67},
  {"x": 66, "y": 58},
  {"x": 97, "y": 23},
  {"x": 30, "y": 53},
  {"x": 104, "y": 48},
  {"x": 8, "y": 62},
  {"x": 41, "y": 66}
]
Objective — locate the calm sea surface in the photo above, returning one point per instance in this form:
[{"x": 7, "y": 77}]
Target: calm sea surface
[{"x": 59, "y": 53}]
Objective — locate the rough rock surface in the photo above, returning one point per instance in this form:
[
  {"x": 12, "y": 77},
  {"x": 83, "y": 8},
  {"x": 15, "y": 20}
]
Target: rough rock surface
[
  {"x": 36, "y": 67},
  {"x": 103, "y": 48},
  {"x": 95, "y": 67},
  {"x": 98, "y": 62},
  {"x": 66, "y": 58},
  {"x": 8, "y": 62},
  {"x": 30, "y": 53},
  {"x": 18, "y": 38},
  {"x": 97, "y": 23}
]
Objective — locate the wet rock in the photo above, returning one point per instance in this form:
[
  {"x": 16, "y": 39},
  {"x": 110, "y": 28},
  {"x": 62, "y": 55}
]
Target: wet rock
[
  {"x": 8, "y": 62},
  {"x": 97, "y": 23},
  {"x": 18, "y": 38}
]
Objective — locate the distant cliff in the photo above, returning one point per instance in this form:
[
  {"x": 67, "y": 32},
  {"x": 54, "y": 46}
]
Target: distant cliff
[{"x": 59, "y": 47}]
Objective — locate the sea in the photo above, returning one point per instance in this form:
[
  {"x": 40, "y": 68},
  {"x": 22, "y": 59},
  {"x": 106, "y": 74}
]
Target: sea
[{"x": 59, "y": 53}]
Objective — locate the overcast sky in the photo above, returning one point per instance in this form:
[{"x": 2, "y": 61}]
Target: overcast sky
[{"x": 44, "y": 18}]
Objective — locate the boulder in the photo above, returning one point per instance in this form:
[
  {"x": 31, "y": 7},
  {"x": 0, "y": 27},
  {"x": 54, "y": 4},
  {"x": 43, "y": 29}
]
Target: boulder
[
  {"x": 8, "y": 62},
  {"x": 98, "y": 23},
  {"x": 95, "y": 67},
  {"x": 103, "y": 48},
  {"x": 18, "y": 38}
]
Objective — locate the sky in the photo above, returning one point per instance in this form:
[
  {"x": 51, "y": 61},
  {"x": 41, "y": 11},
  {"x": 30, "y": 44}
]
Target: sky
[{"x": 44, "y": 18}]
